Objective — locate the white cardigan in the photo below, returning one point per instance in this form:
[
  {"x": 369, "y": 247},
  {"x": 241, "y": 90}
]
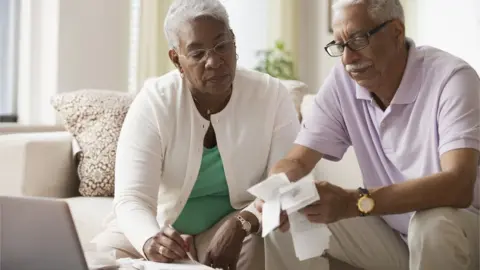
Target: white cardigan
[{"x": 161, "y": 143}]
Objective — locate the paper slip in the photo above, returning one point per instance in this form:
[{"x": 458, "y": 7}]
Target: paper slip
[
  {"x": 298, "y": 195},
  {"x": 279, "y": 193},
  {"x": 309, "y": 239},
  {"x": 183, "y": 265},
  {"x": 270, "y": 216},
  {"x": 268, "y": 189}
]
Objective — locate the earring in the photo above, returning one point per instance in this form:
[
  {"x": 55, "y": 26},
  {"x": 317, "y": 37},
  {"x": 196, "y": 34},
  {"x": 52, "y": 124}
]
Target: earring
[{"x": 237, "y": 56}]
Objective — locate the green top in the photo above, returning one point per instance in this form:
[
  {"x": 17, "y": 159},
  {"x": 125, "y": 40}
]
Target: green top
[{"x": 209, "y": 201}]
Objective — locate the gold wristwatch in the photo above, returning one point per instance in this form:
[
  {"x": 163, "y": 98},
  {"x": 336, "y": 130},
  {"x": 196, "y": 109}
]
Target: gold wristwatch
[{"x": 365, "y": 203}]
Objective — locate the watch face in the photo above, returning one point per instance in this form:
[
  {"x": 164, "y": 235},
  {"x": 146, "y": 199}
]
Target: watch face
[{"x": 365, "y": 204}]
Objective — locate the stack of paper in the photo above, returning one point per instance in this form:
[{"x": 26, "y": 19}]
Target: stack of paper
[
  {"x": 187, "y": 265},
  {"x": 309, "y": 239}
]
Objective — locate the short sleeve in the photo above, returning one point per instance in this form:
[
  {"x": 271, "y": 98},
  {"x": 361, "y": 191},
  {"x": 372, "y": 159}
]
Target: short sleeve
[
  {"x": 323, "y": 127},
  {"x": 459, "y": 112}
]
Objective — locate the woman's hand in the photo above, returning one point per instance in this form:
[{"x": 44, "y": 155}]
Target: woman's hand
[
  {"x": 284, "y": 224},
  {"x": 166, "y": 246},
  {"x": 191, "y": 246},
  {"x": 224, "y": 249}
]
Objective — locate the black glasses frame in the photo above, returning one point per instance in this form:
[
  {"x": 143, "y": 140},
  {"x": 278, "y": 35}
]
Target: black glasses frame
[{"x": 366, "y": 36}]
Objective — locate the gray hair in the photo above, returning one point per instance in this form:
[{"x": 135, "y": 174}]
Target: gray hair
[
  {"x": 379, "y": 10},
  {"x": 184, "y": 11}
]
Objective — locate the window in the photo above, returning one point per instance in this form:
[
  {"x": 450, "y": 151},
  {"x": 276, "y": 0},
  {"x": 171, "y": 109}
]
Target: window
[{"x": 9, "y": 31}]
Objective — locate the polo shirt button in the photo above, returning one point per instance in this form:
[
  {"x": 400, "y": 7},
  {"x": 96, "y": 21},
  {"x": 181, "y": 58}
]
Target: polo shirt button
[{"x": 382, "y": 124}]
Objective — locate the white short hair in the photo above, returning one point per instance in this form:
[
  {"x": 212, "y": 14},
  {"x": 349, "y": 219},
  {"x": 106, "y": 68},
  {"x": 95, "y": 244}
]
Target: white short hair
[
  {"x": 185, "y": 11},
  {"x": 379, "y": 10}
]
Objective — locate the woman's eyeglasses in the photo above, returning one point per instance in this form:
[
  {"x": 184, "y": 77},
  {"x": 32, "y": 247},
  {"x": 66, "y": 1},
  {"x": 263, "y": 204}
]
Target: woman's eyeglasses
[{"x": 201, "y": 55}]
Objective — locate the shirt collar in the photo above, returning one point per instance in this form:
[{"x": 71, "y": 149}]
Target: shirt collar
[{"x": 411, "y": 81}]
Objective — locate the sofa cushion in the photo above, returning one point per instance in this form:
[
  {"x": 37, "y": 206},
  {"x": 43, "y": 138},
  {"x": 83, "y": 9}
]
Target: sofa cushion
[
  {"x": 94, "y": 118},
  {"x": 297, "y": 90}
]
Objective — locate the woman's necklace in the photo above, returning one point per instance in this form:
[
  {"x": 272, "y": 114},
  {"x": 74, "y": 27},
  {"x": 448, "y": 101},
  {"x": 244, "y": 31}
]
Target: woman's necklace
[
  {"x": 209, "y": 111},
  {"x": 198, "y": 105}
]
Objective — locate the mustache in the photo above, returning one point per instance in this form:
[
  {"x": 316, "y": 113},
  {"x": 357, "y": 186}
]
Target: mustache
[{"x": 357, "y": 66}]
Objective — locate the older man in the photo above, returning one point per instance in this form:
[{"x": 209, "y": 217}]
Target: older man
[{"x": 412, "y": 114}]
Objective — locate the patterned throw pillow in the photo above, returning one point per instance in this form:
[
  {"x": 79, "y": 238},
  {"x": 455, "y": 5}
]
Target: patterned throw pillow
[{"x": 94, "y": 118}]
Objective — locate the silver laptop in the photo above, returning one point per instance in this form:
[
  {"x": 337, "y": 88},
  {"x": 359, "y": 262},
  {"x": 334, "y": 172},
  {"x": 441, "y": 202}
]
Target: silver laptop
[{"x": 38, "y": 233}]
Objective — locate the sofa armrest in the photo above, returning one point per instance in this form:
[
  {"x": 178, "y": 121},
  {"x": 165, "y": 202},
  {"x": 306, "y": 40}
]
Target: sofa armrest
[
  {"x": 37, "y": 164},
  {"x": 6, "y": 128}
]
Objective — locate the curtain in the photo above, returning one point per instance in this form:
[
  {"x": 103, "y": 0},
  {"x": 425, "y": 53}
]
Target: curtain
[
  {"x": 149, "y": 47},
  {"x": 284, "y": 16}
]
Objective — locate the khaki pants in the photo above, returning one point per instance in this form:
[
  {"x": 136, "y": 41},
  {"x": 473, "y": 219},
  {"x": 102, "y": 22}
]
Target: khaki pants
[
  {"x": 251, "y": 256},
  {"x": 441, "y": 238}
]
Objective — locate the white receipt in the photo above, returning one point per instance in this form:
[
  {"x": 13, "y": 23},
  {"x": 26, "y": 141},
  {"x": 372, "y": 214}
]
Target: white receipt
[
  {"x": 182, "y": 265},
  {"x": 270, "y": 216},
  {"x": 297, "y": 195},
  {"x": 268, "y": 190},
  {"x": 309, "y": 239}
]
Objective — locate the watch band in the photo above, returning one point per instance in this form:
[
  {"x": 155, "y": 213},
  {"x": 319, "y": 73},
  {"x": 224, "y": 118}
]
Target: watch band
[
  {"x": 246, "y": 226},
  {"x": 363, "y": 191}
]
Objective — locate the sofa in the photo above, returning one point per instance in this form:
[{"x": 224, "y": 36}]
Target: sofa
[{"x": 39, "y": 161}]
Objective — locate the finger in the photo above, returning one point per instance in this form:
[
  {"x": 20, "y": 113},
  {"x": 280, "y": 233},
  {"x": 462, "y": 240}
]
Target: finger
[
  {"x": 317, "y": 219},
  {"x": 284, "y": 227},
  {"x": 160, "y": 259},
  {"x": 156, "y": 256},
  {"x": 175, "y": 236},
  {"x": 189, "y": 240},
  {"x": 168, "y": 253},
  {"x": 283, "y": 218},
  {"x": 314, "y": 209},
  {"x": 259, "y": 205},
  {"x": 172, "y": 247}
]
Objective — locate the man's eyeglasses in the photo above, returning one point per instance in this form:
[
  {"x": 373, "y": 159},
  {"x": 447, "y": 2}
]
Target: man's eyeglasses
[
  {"x": 355, "y": 44},
  {"x": 201, "y": 55}
]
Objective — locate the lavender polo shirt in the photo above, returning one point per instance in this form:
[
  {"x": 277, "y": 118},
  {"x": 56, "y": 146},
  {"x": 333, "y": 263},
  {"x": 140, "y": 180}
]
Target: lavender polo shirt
[{"x": 435, "y": 109}]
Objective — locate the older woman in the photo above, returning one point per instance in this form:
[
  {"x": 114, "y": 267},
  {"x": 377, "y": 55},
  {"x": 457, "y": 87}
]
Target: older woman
[{"x": 193, "y": 142}]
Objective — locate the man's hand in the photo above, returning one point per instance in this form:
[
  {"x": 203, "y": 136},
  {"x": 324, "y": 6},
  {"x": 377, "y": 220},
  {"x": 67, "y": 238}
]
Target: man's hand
[
  {"x": 224, "y": 249},
  {"x": 166, "y": 246},
  {"x": 335, "y": 204},
  {"x": 284, "y": 224}
]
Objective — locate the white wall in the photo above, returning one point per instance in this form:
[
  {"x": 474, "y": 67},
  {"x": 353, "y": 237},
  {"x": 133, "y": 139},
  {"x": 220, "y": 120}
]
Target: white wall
[
  {"x": 314, "y": 62},
  {"x": 450, "y": 26},
  {"x": 68, "y": 45},
  {"x": 249, "y": 21},
  {"x": 93, "y": 44}
]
